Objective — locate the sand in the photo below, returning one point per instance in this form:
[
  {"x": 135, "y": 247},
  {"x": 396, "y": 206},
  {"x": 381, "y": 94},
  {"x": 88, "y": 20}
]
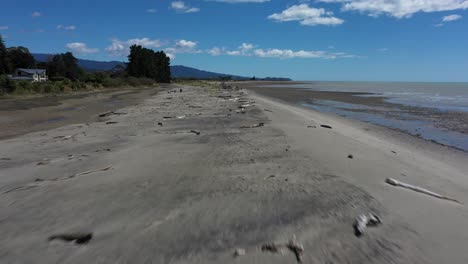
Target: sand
[{"x": 168, "y": 195}]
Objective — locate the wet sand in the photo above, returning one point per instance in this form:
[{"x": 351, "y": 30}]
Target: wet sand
[
  {"x": 21, "y": 116},
  {"x": 428, "y": 123},
  {"x": 189, "y": 177}
]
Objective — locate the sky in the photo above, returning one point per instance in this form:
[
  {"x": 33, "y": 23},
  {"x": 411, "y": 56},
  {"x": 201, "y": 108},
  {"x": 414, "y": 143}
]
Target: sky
[{"x": 343, "y": 40}]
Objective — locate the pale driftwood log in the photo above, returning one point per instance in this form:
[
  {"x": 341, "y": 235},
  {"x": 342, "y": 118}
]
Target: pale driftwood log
[
  {"x": 419, "y": 189},
  {"x": 363, "y": 221},
  {"x": 92, "y": 171}
]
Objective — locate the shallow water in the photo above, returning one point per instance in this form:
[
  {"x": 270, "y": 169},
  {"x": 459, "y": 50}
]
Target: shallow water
[
  {"x": 413, "y": 107},
  {"x": 442, "y": 96},
  {"x": 408, "y": 123}
]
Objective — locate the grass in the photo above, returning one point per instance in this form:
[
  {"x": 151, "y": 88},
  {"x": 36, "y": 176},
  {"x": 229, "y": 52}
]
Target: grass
[{"x": 11, "y": 89}]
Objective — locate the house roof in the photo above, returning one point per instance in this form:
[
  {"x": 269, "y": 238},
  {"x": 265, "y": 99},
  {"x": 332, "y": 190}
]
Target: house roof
[
  {"x": 32, "y": 71},
  {"x": 22, "y": 78}
]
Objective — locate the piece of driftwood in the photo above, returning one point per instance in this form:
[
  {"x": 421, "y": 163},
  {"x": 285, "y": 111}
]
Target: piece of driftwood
[
  {"x": 271, "y": 247},
  {"x": 254, "y": 126},
  {"x": 363, "y": 221},
  {"x": 419, "y": 189},
  {"x": 239, "y": 252},
  {"x": 296, "y": 248},
  {"x": 111, "y": 113},
  {"x": 78, "y": 238},
  {"x": 195, "y": 132},
  {"x": 326, "y": 126},
  {"x": 92, "y": 171}
]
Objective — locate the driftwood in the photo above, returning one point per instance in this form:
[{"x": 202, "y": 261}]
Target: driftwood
[
  {"x": 111, "y": 113},
  {"x": 419, "y": 189},
  {"x": 363, "y": 221},
  {"x": 78, "y": 238},
  {"x": 254, "y": 126},
  {"x": 195, "y": 132},
  {"x": 92, "y": 171},
  {"x": 239, "y": 252},
  {"x": 292, "y": 245},
  {"x": 326, "y": 126}
]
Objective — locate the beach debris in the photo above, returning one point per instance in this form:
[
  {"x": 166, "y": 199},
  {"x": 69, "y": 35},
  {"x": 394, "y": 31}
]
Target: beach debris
[
  {"x": 78, "y": 238},
  {"x": 111, "y": 122},
  {"x": 296, "y": 248},
  {"x": 5, "y": 159},
  {"x": 92, "y": 171},
  {"x": 267, "y": 110},
  {"x": 239, "y": 252},
  {"x": 20, "y": 188},
  {"x": 419, "y": 189},
  {"x": 111, "y": 113},
  {"x": 350, "y": 156},
  {"x": 180, "y": 90},
  {"x": 167, "y": 117},
  {"x": 106, "y": 149},
  {"x": 394, "y": 152},
  {"x": 43, "y": 162},
  {"x": 311, "y": 126},
  {"x": 326, "y": 126},
  {"x": 254, "y": 126},
  {"x": 160, "y": 124},
  {"x": 195, "y": 132},
  {"x": 363, "y": 221},
  {"x": 181, "y": 117},
  {"x": 269, "y": 177},
  {"x": 272, "y": 248}
]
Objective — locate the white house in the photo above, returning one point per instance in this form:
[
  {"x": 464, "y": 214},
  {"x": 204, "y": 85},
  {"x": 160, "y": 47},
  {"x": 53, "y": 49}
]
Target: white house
[{"x": 34, "y": 75}]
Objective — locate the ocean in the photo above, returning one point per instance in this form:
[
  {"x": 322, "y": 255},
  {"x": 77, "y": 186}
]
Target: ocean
[{"x": 433, "y": 111}]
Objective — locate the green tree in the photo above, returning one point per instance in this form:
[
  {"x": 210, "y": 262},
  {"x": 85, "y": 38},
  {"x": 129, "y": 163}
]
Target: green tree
[
  {"x": 20, "y": 57},
  {"x": 147, "y": 63},
  {"x": 3, "y": 57},
  {"x": 65, "y": 65}
]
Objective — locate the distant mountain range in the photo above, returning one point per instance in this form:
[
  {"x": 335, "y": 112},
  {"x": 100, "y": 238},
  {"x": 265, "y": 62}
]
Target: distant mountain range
[{"x": 177, "y": 71}]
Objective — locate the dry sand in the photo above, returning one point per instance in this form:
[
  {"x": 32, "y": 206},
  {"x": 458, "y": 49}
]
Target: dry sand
[{"x": 172, "y": 196}]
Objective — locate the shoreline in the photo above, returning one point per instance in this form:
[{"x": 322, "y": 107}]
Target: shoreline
[
  {"x": 447, "y": 128},
  {"x": 190, "y": 176}
]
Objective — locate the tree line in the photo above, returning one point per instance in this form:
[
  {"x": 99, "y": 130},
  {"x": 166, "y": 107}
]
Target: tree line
[{"x": 144, "y": 66}]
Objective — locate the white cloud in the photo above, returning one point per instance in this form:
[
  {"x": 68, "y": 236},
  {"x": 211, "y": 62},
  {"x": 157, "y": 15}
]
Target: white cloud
[
  {"x": 186, "y": 44},
  {"x": 215, "y": 51},
  {"x": 399, "y": 8},
  {"x": 181, "y": 7},
  {"x": 182, "y": 46},
  {"x": 240, "y": 1},
  {"x": 121, "y": 48},
  {"x": 71, "y": 27},
  {"x": 151, "y": 10},
  {"x": 80, "y": 48},
  {"x": 3, "y": 27},
  {"x": 36, "y": 14},
  {"x": 249, "y": 50},
  {"x": 451, "y": 18},
  {"x": 308, "y": 16}
]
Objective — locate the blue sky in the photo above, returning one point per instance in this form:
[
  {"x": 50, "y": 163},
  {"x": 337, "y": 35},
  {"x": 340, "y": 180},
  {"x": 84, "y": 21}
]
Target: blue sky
[{"x": 373, "y": 40}]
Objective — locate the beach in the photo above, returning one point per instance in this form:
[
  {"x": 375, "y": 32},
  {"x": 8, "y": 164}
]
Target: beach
[{"x": 190, "y": 174}]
